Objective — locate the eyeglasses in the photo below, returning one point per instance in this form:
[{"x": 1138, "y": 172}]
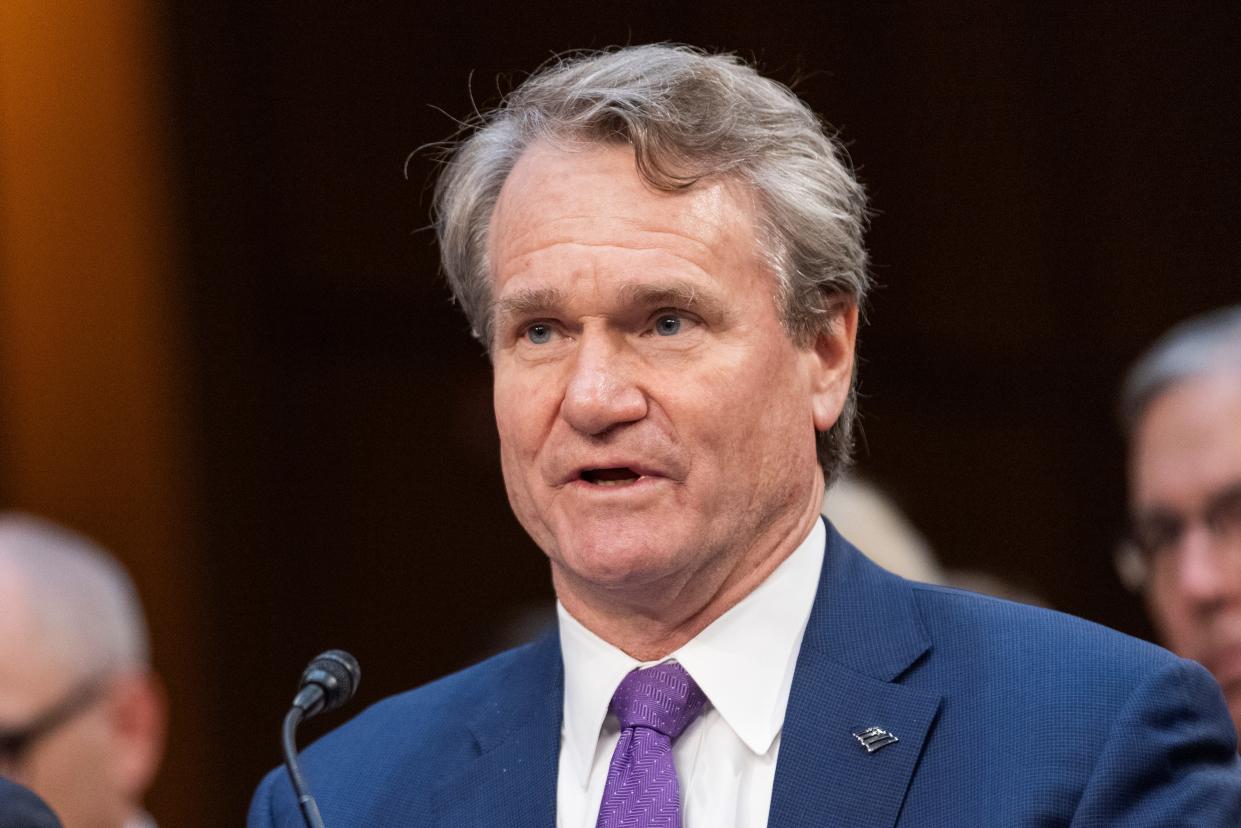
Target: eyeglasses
[
  {"x": 1156, "y": 537},
  {"x": 16, "y": 742}
]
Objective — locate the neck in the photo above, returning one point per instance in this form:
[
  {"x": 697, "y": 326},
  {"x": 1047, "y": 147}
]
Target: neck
[{"x": 650, "y": 623}]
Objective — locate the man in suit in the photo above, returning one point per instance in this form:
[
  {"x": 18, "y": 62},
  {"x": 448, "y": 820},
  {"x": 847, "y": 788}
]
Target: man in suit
[
  {"x": 662, "y": 251},
  {"x": 82, "y": 717},
  {"x": 1181, "y": 409}
]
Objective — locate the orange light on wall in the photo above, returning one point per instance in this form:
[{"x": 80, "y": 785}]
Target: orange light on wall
[{"x": 91, "y": 383}]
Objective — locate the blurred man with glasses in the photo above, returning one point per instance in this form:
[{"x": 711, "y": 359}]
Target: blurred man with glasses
[
  {"x": 1181, "y": 408},
  {"x": 82, "y": 718}
]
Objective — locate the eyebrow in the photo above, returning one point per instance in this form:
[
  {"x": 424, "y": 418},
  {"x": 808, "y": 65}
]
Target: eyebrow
[
  {"x": 673, "y": 293},
  {"x": 1223, "y": 496},
  {"x": 526, "y": 302},
  {"x": 1226, "y": 494}
]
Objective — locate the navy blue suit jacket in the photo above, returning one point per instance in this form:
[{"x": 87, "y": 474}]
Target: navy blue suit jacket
[
  {"x": 1007, "y": 715},
  {"x": 21, "y": 808}
]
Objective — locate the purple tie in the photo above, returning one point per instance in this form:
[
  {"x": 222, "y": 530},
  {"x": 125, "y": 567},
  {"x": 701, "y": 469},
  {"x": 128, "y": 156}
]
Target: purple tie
[{"x": 654, "y": 706}]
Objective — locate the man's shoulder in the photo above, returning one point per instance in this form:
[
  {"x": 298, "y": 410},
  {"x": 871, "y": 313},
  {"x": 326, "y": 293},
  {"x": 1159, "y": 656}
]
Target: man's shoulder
[
  {"x": 20, "y": 806},
  {"x": 360, "y": 766},
  {"x": 982, "y": 628},
  {"x": 442, "y": 709},
  {"x": 460, "y": 691},
  {"x": 1021, "y": 669},
  {"x": 943, "y": 636},
  {"x": 1070, "y": 714}
]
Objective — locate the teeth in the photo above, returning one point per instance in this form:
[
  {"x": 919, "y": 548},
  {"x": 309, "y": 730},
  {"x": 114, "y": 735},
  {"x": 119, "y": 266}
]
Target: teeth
[{"x": 622, "y": 482}]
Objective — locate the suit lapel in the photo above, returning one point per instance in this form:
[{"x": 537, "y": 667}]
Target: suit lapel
[
  {"x": 513, "y": 777},
  {"x": 864, "y": 632}
]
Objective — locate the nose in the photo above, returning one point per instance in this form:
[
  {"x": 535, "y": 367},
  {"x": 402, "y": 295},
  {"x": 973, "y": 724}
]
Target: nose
[{"x": 602, "y": 390}]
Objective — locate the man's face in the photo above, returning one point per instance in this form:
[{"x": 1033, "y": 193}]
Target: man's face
[
  {"x": 656, "y": 422},
  {"x": 74, "y": 766},
  {"x": 1186, "y": 473}
]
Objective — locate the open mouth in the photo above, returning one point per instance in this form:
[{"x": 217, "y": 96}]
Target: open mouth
[{"x": 610, "y": 477}]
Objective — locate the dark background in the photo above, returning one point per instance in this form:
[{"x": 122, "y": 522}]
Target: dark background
[{"x": 1052, "y": 187}]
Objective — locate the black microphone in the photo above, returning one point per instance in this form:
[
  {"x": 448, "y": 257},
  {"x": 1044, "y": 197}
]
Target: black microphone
[{"x": 328, "y": 682}]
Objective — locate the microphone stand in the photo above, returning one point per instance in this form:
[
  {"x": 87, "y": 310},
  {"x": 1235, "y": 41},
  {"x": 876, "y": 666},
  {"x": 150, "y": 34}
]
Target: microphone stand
[
  {"x": 288, "y": 740},
  {"x": 330, "y": 681}
]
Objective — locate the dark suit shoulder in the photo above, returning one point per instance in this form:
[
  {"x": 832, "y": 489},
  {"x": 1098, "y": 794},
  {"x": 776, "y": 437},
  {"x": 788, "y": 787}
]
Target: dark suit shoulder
[
  {"x": 1103, "y": 725},
  {"x": 985, "y": 628},
  {"x": 1019, "y": 663},
  {"x": 22, "y": 808},
  {"x": 439, "y": 713},
  {"x": 450, "y": 698},
  {"x": 391, "y": 755}
]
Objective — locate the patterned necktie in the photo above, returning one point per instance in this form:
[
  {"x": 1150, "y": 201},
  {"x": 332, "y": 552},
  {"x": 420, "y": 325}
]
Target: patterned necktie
[{"x": 654, "y": 706}]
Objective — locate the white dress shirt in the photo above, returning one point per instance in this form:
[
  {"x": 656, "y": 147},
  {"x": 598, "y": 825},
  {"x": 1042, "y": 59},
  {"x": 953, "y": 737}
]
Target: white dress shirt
[
  {"x": 744, "y": 661},
  {"x": 140, "y": 819}
]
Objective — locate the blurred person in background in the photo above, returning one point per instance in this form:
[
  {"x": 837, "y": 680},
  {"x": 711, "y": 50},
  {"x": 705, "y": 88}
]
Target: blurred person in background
[
  {"x": 872, "y": 522},
  {"x": 82, "y": 717},
  {"x": 1181, "y": 410}
]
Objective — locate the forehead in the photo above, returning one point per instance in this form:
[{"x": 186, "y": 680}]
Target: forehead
[
  {"x": 1188, "y": 443},
  {"x": 28, "y": 676},
  {"x": 584, "y": 205}
]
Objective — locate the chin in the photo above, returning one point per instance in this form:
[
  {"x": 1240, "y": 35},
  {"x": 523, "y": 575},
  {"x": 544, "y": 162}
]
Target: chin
[{"x": 608, "y": 555}]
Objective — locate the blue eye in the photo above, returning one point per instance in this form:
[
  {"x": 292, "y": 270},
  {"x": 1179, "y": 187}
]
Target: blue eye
[
  {"x": 668, "y": 325},
  {"x": 539, "y": 333}
]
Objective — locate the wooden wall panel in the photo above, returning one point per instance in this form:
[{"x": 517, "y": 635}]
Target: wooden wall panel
[{"x": 91, "y": 389}]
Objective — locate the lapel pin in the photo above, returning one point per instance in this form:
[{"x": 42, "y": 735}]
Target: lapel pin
[{"x": 873, "y": 738}]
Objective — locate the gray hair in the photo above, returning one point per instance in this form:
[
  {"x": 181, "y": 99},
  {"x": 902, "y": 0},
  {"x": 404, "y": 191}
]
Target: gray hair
[
  {"x": 80, "y": 597},
  {"x": 688, "y": 116},
  {"x": 1201, "y": 346}
]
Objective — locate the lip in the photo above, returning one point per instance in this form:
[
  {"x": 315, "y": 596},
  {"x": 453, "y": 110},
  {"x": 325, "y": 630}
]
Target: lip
[
  {"x": 639, "y": 485},
  {"x": 644, "y": 471}
]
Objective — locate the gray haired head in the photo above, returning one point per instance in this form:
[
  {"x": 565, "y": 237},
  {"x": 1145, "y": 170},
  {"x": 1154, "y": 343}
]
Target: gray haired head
[
  {"x": 1205, "y": 345},
  {"x": 688, "y": 116},
  {"x": 81, "y": 601}
]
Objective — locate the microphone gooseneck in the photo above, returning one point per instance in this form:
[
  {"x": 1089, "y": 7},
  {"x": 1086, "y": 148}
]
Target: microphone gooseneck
[{"x": 328, "y": 682}]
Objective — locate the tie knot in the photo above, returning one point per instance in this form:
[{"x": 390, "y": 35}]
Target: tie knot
[{"x": 663, "y": 698}]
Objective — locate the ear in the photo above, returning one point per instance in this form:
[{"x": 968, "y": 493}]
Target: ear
[
  {"x": 139, "y": 720},
  {"x": 831, "y": 365}
]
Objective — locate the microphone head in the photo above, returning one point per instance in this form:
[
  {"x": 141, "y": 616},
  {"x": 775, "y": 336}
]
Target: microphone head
[{"x": 337, "y": 674}]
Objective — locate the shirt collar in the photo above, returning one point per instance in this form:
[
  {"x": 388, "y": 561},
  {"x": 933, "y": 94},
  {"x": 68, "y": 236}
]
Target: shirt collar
[
  {"x": 743, "y": 661},
  {"x": 140, "y": 819}
]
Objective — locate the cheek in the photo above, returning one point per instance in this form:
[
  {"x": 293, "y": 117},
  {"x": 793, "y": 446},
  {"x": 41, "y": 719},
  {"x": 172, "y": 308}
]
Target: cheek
[
  {"x": 74, "y": 764},
  {"x": 1175, "y": 624},
  {"x": 521, "y": 496},
  {"x": 521, "y": 437},
  {"x": 520, "y": 415},
  {"x": 742, "y": 435},
  {"x": 516, "y": 462},
  {"x": 762, "y": 406},
  {"x": 524, "y": 413}
]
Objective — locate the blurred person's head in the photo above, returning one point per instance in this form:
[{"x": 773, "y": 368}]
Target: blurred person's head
[
  {"x": 1181, "y": 410},
  {"x": 872, "y": 521},
  {"x": 81, "y": 716}
]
